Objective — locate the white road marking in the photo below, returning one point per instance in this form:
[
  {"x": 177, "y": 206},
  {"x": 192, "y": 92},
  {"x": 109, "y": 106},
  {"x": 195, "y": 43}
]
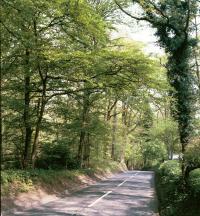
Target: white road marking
[
  {"x": 126, "y": 180},
  {"x": 99, "y": 199},
  {"x": 92, "y": 204}
]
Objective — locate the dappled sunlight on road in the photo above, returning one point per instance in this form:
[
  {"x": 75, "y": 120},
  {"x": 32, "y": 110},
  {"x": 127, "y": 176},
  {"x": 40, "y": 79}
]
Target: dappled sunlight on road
[{"x": 131, "y": 193}]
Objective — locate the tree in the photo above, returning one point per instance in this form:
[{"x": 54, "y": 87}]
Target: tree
[
  {"x": 166, "y": 131},
  {"x": 68, "y": 87},
  {"x": 37, "y": 60},
  {"x": 172, "y": 21}
]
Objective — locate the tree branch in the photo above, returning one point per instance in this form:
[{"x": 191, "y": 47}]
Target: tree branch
[{"x": 130, "y": 15}]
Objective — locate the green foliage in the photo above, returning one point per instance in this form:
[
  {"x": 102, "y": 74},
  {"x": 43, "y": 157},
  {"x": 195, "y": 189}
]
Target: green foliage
[
  {"x": 134, "y": 153},
  {"x": 172, "y": 21},
  {"x": 192, "y": 155},
  {"x": 73, "y": 98},
  {"x": 168, "y": 188},
  {"x": 167, "y": 132},
  {"x": 17, "y": 181},
  {"x": 153, "y": 151},
  {"x": 61, "y": 71},
  {"x": 173, "y": 200},
  {"x": 56, "y": 156},
  {"x": 194, "y": 181},
  {"x": 170, "y": 171},
  {"x": 108, "y": 166}
]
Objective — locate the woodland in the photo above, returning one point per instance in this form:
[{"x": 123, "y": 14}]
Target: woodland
[{"x": 75, "y": 98}]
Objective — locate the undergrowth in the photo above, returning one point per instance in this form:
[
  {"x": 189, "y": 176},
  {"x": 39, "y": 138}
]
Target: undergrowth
[
  {"x": 17, "y": 181},
  {"x": 173, "y": 200}
]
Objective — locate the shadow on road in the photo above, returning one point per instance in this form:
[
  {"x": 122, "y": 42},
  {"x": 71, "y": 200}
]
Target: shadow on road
[{"x": 136, "y": 197}]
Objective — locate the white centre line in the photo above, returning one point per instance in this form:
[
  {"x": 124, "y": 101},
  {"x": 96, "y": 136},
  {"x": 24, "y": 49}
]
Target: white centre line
[
  {"x": 126, "y": 180},
  {"x": 99, "y": 199},
  {"x": 111, "y": 191}
]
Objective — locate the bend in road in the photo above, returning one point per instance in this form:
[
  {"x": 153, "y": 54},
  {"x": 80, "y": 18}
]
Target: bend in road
[{"x": 126, "y": 194}]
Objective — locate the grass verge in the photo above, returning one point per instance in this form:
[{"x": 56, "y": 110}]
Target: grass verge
[
  {"x": 15, "y": 182},
  {"x": 22, "y": 189}
]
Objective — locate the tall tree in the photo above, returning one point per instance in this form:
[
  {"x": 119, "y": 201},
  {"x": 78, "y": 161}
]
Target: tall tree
[
  {"x": 172, "y": 21},
  {"x": 39, "y": 42}
]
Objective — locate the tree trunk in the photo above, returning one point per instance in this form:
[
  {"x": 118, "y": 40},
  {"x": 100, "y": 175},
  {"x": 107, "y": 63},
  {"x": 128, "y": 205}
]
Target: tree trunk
[
  {"x": 80, "y": 149},
  {"x": 124, "y": 135},
  {"x": 196, "y": 57},
  {"x": 86, "y": 157},
  {"x": 180, "y": 79},
  {"x": 1, "y": 121},
  {"x": 43, "y": 101},
  {"x": 27, "y": 124},
  {"x": 110, "y": 108},
  {"x": 84, "y": 123},
  {"x": 114, "y": 129},
  {"x": 38, "y": 124}
]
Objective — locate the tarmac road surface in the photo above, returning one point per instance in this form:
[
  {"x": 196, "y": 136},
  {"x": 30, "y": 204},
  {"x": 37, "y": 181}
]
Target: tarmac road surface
[{"x": 126, "y": 194}]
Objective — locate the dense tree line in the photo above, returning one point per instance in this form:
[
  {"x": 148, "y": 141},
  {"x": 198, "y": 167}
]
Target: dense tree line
[
  {"x": 176, "y": 23},
  {"x": 72, "y": 96},
  {"x": 66, "y": 85}
]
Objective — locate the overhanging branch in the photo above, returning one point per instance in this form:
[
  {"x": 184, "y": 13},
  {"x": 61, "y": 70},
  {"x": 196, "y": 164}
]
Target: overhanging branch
[{"x": 130, "y": 15}]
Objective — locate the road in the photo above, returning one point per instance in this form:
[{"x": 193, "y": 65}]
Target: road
[{"x": 126, "y": 194}]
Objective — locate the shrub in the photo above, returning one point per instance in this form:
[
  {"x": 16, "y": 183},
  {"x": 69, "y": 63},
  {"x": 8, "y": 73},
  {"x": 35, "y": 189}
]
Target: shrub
[
  {"x": 194, "y": 181},
  {"x": 170, "y": 171},
  {"x": 173, "y": 199},
  {"x": 14, "y": 181},
  {"x": 168, "y": 187},
  {"x": 153, "y": 151},
  {"x": 192, "y": 155},
  {"x": 56, "y": 156}
]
